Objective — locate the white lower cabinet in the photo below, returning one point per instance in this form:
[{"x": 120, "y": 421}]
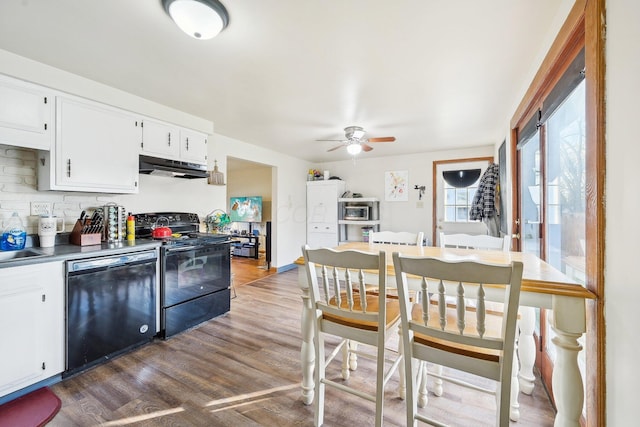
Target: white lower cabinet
[
  {"x": 95, "y": 149},
  {"x": 31, "y": 324}
]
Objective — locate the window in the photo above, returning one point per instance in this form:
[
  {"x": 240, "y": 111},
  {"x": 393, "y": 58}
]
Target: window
[{"x": 458, "y": 202}]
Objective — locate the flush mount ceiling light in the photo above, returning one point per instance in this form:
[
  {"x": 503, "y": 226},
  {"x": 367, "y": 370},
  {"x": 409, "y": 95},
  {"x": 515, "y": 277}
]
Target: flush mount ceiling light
[{"x": 201, "y": 19}]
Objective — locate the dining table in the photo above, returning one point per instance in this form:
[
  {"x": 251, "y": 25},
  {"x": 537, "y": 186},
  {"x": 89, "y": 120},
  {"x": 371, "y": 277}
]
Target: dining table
[{"x": 543, "y": 286}]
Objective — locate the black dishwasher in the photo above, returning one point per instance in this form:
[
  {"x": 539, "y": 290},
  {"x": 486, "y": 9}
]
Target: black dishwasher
[{"x": 111, "y": 307}]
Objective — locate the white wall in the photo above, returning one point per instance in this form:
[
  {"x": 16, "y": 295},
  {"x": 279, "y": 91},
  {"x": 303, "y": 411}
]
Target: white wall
[
  {"x": 250, "y": 181},
  {"x": 366, "y": 176},
  {"x": 622, "y": 281}
]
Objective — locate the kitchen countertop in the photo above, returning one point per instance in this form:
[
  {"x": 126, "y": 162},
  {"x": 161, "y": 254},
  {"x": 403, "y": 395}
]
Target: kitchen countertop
[{"x": 66, "y": 252}]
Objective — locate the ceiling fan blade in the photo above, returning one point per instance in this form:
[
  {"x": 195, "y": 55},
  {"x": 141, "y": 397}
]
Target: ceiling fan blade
[
  {"x": 383, "y": 139},
  {"x": 336, "y": 140},
  {"x": 335, "y": 148},
  {"x": 366, "y": 147}
]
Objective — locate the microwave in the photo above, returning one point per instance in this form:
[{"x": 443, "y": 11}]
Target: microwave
[{"x": 356, "y": 213}]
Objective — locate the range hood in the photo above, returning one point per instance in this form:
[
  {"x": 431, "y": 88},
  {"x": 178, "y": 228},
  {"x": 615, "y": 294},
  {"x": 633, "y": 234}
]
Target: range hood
[{"x": 172, "y": 168}]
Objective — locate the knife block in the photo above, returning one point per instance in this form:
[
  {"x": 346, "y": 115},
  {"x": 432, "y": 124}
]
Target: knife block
[{"x": 77, "y": 237}]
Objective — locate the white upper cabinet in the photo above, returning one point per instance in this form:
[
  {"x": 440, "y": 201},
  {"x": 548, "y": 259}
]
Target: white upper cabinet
[
  {"x": 95, "y": 149},
  {"x": 193, "y": 146},
  {"x": 160, "y": 139},
  {"x": 26, "y": 114},
  {"x": 168, "y": 141}
]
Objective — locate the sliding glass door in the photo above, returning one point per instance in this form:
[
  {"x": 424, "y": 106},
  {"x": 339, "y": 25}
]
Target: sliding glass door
[{"x": 551, "y": 165}]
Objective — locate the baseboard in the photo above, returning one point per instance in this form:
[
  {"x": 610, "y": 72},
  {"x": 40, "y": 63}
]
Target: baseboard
[{"x": 287, "y": 268}]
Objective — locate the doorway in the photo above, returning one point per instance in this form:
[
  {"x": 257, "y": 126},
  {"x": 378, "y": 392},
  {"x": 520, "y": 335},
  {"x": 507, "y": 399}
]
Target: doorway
[
  {"x": 252, "y": 239},
  {"x": 451, "y": 203}
]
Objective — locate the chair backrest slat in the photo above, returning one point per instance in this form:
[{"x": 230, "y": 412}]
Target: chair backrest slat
[
  {"x": 424, "y": 289},
  {"x": 481, "y": 312},
  {"x": 348, "y": 288},
  {"x": 475, "y": 241},
  {"x": 397, "y": 237}
]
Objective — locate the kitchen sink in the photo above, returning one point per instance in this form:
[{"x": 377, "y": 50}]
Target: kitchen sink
[{"x": 24, "y": 253}]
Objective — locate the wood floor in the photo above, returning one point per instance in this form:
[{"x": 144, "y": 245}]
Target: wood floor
[
  {"x": 246, "y": 270},
  {"x": 243, "y": 369}
]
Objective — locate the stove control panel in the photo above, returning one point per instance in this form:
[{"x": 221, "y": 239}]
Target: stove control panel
[{"x": 174, "y": 218}]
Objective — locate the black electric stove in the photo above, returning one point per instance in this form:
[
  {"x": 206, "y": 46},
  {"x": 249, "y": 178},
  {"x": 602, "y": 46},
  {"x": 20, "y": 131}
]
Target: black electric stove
[{"x": 195, "y": 270}]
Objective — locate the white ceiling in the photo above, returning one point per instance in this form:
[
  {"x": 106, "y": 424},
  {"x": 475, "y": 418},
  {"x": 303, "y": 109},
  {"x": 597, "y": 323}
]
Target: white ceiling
[{"x": 436, "y": 74}]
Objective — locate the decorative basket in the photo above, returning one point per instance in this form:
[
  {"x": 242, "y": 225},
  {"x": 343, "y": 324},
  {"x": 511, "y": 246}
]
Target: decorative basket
[{"x": 216, "y": 221}]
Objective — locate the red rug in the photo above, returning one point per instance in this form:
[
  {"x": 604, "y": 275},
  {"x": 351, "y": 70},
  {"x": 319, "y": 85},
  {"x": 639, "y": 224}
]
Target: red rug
[{"x": 34, "y": 409}]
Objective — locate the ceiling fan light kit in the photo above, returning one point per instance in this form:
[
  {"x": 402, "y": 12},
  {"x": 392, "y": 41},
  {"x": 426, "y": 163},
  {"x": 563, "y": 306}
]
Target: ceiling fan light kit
[
  {"x": 355, "y": 142},
  {"x": 354, "y": 148},
  {"x": 200, "y": 19}
]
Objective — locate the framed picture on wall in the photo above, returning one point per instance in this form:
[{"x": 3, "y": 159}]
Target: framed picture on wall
[{"x": 396, "y": 186}]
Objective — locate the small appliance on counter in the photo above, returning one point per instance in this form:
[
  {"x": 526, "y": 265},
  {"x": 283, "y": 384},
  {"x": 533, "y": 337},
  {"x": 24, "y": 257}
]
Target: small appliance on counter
[{"x": 356, "y": 212}]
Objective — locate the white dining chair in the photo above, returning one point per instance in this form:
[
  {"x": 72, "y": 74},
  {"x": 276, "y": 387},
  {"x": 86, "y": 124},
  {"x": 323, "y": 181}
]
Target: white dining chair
[
  {"x": 458, "y": 339},
  {"x": 475, "y": 241},
  {"x": 397, "y": 237},
  {"x": 337, "y": 285}
]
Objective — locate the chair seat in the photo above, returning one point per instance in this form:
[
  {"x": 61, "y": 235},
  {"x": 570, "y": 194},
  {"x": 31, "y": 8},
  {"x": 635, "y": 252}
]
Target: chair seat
[
  {"x": 393, "y": 313},
  {"x": 461, "y": 349}
]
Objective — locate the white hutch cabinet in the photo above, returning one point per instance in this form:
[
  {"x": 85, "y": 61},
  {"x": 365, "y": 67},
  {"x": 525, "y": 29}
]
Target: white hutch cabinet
[{"x": 322, "y": 212}]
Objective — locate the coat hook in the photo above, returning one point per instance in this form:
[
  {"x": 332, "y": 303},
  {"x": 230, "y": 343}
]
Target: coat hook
[{"x": 420, "y": 191}]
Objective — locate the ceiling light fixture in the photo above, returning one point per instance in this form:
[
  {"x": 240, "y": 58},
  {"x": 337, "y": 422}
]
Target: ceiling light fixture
[
  {"x": 201, "y": 19},
  {"x": 354, "y": 148}
]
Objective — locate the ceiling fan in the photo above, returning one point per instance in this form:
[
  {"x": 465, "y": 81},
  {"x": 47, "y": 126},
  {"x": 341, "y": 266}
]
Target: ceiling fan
[{"x": 355, "y": 141}]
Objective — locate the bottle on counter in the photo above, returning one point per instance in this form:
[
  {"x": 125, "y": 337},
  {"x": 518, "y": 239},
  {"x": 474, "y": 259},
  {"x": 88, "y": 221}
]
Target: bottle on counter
[
  {"x": 131, "y": 227},
  {"x": 14, "y": 235}
]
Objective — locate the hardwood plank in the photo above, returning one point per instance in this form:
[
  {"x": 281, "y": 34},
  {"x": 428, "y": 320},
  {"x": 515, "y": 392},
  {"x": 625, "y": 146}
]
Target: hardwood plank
[{"x": 243, "y": 369}]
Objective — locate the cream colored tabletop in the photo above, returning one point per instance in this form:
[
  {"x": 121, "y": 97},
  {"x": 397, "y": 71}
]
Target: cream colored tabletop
[{"x": 537, "y": 276}]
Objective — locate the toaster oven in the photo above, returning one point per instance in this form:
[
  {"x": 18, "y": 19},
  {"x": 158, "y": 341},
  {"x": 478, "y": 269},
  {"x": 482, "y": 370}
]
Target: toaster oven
[{"x": 356, "y": 213}]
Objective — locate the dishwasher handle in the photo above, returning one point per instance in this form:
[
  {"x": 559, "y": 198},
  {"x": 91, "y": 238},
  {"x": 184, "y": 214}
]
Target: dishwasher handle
[{"x": 80, "y": 266}]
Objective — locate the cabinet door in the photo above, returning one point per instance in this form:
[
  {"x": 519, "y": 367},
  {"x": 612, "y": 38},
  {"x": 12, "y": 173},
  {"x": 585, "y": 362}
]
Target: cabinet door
[
  {"x": 322, "y": 203},
  {"x": 160, "y": 139},
  {"x": 95, "y": 148},
  {"x": 26, "y": 114},
  {"x": 193, "y": 146},
  {"x": 31, "y": 324}
]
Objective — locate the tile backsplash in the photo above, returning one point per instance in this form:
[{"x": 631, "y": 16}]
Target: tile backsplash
[{"x": 19, "y": 188}]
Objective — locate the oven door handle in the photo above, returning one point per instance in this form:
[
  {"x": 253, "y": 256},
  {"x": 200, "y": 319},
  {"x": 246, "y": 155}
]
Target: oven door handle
[
  {"x": 193, "y": 248},
  {"x": 94, "y": 264}
]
